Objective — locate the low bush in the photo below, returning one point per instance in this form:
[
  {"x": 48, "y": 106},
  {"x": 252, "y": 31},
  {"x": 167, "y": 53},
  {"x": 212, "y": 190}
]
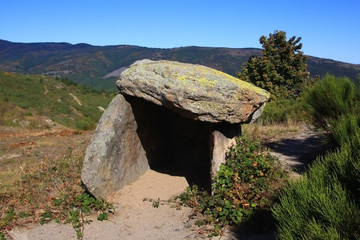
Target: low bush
[
  {"x": 283, "y": 111},
  {"x": 84, "y": 124},
  {"x": 330, "y": 100},
  {"x": 324, "y": 204},
  {"x": 246, "y": 183}
]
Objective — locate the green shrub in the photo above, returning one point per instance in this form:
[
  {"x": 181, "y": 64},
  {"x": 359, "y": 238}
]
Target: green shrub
[
  {"x": 84, "y": 124},
  {"x": 324, "y": 204},
  {"x": 331, "y": 99},
  {"x": 321, "y": 203},
  {"x": 283, "y": 111},
  {"x": 246, "y": 183}
]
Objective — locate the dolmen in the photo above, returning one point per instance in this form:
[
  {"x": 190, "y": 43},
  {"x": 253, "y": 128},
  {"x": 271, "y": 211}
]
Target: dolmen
[{"x": 173, "y": 117}]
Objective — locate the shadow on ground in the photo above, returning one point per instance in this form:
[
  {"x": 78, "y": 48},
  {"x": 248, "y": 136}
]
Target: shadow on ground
[{"x": 299, "y": 152}]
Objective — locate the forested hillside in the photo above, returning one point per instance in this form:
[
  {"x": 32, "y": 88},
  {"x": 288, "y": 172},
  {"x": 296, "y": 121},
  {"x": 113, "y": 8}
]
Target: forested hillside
[{"x": 99, "y": 66}]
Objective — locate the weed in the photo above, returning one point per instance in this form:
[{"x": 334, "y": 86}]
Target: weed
[
  {"x": 156, "y": 203},
  {"x": 9, "y": 217},
  {"x": 46, "y": 217},
  {"x": 102, "y": 216},
  {"x": 23, "y": 214}
]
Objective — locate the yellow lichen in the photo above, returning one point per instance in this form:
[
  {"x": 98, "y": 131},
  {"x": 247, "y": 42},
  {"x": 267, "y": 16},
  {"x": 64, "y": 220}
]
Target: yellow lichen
[{"x": 241, "y": 83}]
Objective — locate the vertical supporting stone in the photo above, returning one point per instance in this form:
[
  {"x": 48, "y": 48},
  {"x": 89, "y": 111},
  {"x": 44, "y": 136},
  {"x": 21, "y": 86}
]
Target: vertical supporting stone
[
  {"x": 222, "y": 138},
  {"x": 115, "y": 156}
]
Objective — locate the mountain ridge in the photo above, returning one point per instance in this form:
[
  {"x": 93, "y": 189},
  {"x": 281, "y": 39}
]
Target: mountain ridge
[{"x": 88, "y": 64}]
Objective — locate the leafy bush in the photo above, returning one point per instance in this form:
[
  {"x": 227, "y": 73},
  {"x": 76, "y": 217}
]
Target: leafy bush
[
  {"x": 247, "y": 182},
  {"x": 84, "y": 124}
]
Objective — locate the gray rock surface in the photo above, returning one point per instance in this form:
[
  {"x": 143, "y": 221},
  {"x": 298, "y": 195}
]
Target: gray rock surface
[
  {"x": 194, "y": 91},
  {"x": 115, "y": 156}
]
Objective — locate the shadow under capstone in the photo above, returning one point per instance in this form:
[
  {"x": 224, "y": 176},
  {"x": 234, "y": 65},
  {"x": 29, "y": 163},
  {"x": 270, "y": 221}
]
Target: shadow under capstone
[{"x": 174, "y": 144}]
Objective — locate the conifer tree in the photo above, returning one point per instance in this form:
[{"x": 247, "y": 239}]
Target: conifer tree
[{"x": 281, "y": 69}]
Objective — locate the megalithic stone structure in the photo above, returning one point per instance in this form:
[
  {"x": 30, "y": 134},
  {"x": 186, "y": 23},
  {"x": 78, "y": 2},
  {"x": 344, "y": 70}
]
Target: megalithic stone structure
[{"x": 169, "y": 116}]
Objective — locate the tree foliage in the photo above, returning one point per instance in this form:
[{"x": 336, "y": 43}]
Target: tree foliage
[{"x": 281, "y": 69}]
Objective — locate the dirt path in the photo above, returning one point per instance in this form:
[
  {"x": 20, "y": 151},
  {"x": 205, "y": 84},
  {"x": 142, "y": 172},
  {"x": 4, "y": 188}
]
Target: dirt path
[
  {"x": 136, "y": 219},
  {"x": 296, "y": 150}
]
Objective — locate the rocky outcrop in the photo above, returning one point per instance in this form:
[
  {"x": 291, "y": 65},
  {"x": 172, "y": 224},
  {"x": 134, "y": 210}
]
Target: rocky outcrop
[
  {"x": 172, "y": 117},
  {"x": 194, "y": 91}
]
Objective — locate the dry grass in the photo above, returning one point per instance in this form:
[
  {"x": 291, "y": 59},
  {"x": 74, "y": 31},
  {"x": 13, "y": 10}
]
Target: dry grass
[
  {"x": 266, "y": 132},
  {"x": 40, "y": 170}
]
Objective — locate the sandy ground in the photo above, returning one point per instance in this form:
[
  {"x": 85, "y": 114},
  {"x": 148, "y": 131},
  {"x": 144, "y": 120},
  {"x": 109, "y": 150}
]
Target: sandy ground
[{"x": 136, "y": 219}]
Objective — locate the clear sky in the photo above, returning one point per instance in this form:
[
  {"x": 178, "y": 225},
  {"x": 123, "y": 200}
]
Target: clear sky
[{"x": 329, "y": 29}]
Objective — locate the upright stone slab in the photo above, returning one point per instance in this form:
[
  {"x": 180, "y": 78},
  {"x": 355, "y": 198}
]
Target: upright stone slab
[
  {"x": 223, "y": 137},
  {"x": 115, "y": 156},
  {"x": 172, "y": 114}
]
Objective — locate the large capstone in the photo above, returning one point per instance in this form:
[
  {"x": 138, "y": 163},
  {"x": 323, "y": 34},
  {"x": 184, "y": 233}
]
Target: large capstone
[
  {"x": 172, "y": 117},
  {"x": 194, "y": 91}
]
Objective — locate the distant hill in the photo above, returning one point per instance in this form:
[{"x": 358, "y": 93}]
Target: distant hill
[
  {"x": 38, "y": 102},
  {"x": 99, "y": 66}
]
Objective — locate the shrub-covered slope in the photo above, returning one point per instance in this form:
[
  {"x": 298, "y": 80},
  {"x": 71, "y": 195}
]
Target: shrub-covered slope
[{"x": 25, "y": 98}]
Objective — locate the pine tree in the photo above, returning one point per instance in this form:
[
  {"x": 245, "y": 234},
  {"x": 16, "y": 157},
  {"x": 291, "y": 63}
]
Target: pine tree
[{"x": 281, "y": 69}]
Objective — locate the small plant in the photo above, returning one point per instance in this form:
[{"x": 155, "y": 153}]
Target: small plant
[
  {"x": 83, "y": 204},
  {"x": 247, "y": 182},
  {"x": 23, "y": 214},
  {"x": 46, "y": 217},
  {"x": 77, "y": 224},
  {"x": 9, "y": 217},
  {"x": 156, "y": 203},
  {"x": 102, "y": 216}
]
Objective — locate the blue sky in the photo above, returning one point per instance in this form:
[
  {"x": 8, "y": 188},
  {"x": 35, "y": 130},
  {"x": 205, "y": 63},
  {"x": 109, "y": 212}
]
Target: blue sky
[{"x": 329, "y": 29}]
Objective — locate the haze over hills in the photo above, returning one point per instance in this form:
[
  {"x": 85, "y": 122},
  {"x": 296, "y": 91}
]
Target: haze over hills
[{"x": 99, "y": 66}]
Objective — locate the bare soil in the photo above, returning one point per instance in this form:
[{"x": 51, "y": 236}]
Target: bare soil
[
  {"x": 135, "y": 215},
  {"x": 297, "y": 150}
]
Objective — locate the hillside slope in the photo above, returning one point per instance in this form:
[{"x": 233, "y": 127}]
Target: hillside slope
[
  {"x": 35, "y": 101},
  {"x": 99, "y": 66}
]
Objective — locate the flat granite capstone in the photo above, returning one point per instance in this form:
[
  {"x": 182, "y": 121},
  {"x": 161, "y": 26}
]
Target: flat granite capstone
[{"x": 194, "y": 91}]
